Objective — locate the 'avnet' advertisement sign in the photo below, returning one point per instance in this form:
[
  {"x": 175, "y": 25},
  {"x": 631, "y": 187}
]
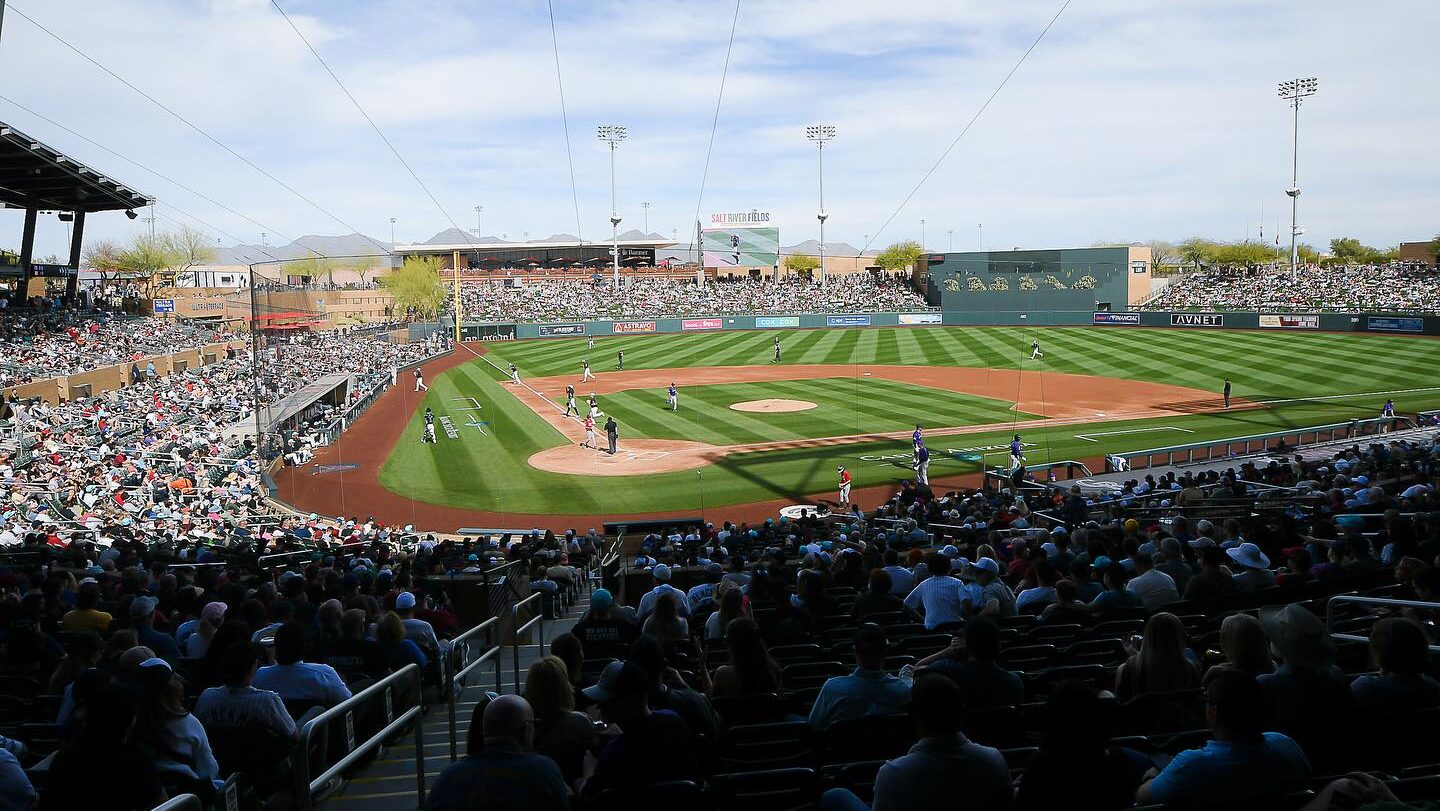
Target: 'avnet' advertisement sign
[{"x": 1197, "y": 319}]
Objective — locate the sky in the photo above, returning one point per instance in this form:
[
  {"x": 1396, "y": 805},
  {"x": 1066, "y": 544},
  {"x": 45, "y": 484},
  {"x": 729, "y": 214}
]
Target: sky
[{"x": 1130, "y": 120}]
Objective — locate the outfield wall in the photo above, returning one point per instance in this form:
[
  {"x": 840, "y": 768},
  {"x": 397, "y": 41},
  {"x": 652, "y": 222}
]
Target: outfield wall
[{"x": 1379, "y": 323}]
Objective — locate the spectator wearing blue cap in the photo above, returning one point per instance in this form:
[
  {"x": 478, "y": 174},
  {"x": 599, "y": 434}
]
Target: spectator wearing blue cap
[
  {"x": 142, "y": 618},
  {"x": 660, "y": 575}
]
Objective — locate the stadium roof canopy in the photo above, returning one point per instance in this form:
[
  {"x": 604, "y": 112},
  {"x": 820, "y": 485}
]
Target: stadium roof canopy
[
  {"x": 485, "y": 247},
  {"x": 33, "y": 175}
]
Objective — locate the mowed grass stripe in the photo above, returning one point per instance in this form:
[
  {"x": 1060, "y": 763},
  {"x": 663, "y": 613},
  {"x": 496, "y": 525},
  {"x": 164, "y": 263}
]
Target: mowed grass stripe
[{"x": 817, "y": 349}]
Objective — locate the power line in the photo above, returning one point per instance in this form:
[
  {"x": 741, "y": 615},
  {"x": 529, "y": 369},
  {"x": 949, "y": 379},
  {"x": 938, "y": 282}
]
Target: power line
[
  {"x": 187, "y": 122},
  {"x": 373, "y": 125},
  {"x": 968, "y": 125},
  {"x": 565, "y": 121},
  {"x": 262, "y": 226},
  {"x": 714, "y": 125}
]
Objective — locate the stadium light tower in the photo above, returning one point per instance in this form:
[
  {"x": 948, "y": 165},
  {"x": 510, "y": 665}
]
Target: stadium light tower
[
  {"x": 613, "y": 134},
  {"x": 819, "y": 135},
  {"x": 479, "y": 212},
  {"x": 646, "y": 206},
  {"x": 1293, "y": 90}
]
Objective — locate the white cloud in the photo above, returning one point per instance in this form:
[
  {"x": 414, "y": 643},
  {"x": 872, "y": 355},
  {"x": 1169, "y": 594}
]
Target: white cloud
[{"x": 1131, "y": 119}]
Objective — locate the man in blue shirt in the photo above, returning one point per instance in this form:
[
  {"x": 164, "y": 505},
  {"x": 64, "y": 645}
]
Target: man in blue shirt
[
  {"x": 941, "y": 597},
  {"x": 870, "y": 690},
  {"x": 506, "y": 773},
  {"x": 1242, "y": 764},
  {"x": 297, "y": 681}
]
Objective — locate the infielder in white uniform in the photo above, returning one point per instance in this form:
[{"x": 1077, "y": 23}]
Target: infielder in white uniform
[
  {"x": 515, "y": 373},
  {"x": 585, "y": 375},
  {"x": 591, "y": 343},
  {"x": 1035, "y": 350},
  {"x": 420, "y": 381},
  {"x": 674, "y": 398}
]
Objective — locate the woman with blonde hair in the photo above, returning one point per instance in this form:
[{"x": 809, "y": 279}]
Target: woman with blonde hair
[
  {"x": 732, "y": 607},
  {"x": 561, "y": 733},
  {"x": 1160, "y": 664},
  {"x": 1246, "y": 649}
]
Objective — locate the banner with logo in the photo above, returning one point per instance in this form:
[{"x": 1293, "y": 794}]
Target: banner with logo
[
  {"x": 632, "y": 327},
  {"x": 1290, "y": 321},
  {"x": 847, "y": 320},
  {"x": 1123, "y": 319},
  {"x": 1197, "y": 320},
  {"x": 163, "y": 305},
  {"x": 701, "y": 323},
  {"x": 919, "y": 318},
  {"x": 1393, "y": 324},
  {"x": 561, "y": 330},
  {"x": 776, "y": 321}
]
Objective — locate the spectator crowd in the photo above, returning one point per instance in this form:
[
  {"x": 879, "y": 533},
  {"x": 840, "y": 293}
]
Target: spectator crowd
[
  {"x": 561, "y": 299},
  {"x": 1378, "y": 288}
]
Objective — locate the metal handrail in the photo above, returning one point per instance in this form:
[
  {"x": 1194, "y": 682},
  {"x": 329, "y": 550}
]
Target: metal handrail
[
  {"x": 462, "y": 642},
  {"x": 517, "y": 629},
  {"x": 1386, "y": 601},
  {"x": 1189, "y": 448},
  {"x": 183, "y": 801},
  {"x": 306, "y": 785}
]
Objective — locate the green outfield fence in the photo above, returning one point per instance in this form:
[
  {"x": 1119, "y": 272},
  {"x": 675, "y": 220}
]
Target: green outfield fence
[{"x": 1277, "y": 321}]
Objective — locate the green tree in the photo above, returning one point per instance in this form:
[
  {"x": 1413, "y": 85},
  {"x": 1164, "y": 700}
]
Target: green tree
[
  {"x": 900, "y": 256},
  {"x": 1434, "y": 247},
  {"x": 312, "y": 266},
  {"x": 801, "y": 263},
  {"x": 416, "y": 284},
  {"x": 188, "y": 247},
  {"x": 1308, "y": 254},
  {"x": 1348, "y": 250},
  {"x": 1161, "y": 253},
  {"x": 364, "y": 266},
  {"x": 1196, "y": 251}
]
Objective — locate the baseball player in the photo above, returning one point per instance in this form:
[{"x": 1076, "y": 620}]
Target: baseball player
[
  {"x": 777, "y": 350},
  {"x": 589, "y": 432},
  {"x": 1035, "y": 350},
  {"x": 420, "y": 380},
  {"x": 1017, "y": 456},
  {"x": 515, "y": 373},
  {"x": 735, "y": 247},
  {"x": 429, "y": 426},
  {"x": 1227, "y": 394},
  {"x": 917, "y": 441},
  {"x": 570, "y": 401},
  {"x": 594, "y": 411},
  {"x": 922, "y": 466},
  {"x": 620, "y": 360},
  {"x": 585, "y": 374},
  {"x": 844, "y": 485},
  {"x": 674, "y": 398},
  {"x": 1387, "y": 412},
  {"x": 590, "y": 344}
]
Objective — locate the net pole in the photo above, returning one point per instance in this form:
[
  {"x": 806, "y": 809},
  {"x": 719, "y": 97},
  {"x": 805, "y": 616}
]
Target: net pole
[{"x": 455, "y": 269}]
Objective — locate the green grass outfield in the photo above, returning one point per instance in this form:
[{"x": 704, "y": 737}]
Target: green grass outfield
[{"x": 1308, "y": 379}]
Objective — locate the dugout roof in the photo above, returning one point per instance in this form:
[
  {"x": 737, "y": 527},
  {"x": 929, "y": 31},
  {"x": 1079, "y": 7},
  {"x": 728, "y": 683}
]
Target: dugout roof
[{"x": 33, "y": 175}]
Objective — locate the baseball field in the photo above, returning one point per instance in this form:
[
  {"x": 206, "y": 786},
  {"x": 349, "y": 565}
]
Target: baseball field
[{"x": 749, "y": 430}]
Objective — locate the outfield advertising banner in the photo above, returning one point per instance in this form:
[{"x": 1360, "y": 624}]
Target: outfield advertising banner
[
  {"x": 774, "y": 322},
  {"x": 911, "y": 319},
  {"x": 561, "y": 330},
  {"x": 1290, "y": 321},
  {"x": 847, "y": 320},
  {"x": 1123, "y": 319},
  {"x": 632, "y": 327},
  {"x": 1197, "y": 319},
  {"x": 690, "y": 324},
  {"x": 1393, "y": 324}
]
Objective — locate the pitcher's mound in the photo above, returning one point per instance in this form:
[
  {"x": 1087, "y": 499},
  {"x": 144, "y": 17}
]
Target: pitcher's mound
[{"x": 773, "y": 406}]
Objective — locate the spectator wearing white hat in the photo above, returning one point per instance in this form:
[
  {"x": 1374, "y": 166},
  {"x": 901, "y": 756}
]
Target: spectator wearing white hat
[
  {"x": 660, "y": 575},
  {"x": 1254, "y": 573}
]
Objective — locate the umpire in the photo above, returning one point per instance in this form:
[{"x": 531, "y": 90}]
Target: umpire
[{"x": 612, "y": 433}]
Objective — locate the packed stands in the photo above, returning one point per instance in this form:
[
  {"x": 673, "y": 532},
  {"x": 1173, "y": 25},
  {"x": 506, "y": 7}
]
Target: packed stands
[
  {"x": 640, "y": 297},
  {"x": 1380, "y": 288}
]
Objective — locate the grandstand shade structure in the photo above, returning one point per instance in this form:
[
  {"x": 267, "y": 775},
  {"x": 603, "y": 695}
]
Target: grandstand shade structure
[
  {"x": 35, "y": 177},
  {"x": 541, "y": 254}
]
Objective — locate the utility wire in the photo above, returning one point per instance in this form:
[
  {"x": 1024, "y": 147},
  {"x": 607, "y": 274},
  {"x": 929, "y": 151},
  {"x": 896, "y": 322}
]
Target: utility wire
[
  {"x": 968, "y": 125},
  {"x": 262, "y": 226},
  {"x": 565, "y": 121},
  {"x": 714, "y": 125},
  {"x": 187, "y": 122},
  {"x": 374, "y": 126}
]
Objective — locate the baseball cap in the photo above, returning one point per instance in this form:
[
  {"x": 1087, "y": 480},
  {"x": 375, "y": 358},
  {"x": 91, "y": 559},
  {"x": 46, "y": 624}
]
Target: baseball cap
[
  {"x": 601, "y": 599},
  {"x": 987, "y": 565},
  {"x": 1101, "y": 563},
  {"x": 143, "y": 606},
  {"x": 618, "y": 680},
  {"x": 661, "y": 572},
  {"x": 405, "y": 600}
]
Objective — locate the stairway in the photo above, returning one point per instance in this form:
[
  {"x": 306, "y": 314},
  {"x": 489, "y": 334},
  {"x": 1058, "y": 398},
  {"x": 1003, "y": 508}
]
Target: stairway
[{"x": 388, "y": 782}]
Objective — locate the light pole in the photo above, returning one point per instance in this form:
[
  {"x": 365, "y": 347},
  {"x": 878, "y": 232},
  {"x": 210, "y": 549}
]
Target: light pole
[
  {"x": 613, "y": 134},
  {"x": 949, "y": 239},
  {"x": 479, "y": 210},
  {"x": 646, "y": 206},
  {"x": 392, "y": 234},
  {"x": 922, "y": 235},
  {"x": 819, "y": 135},
  {"x": 1293, "y": 91},
  {"x": 980, "y": 236}
]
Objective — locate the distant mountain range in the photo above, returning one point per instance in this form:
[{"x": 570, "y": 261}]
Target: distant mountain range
[{"x": 361, "y": 245}]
